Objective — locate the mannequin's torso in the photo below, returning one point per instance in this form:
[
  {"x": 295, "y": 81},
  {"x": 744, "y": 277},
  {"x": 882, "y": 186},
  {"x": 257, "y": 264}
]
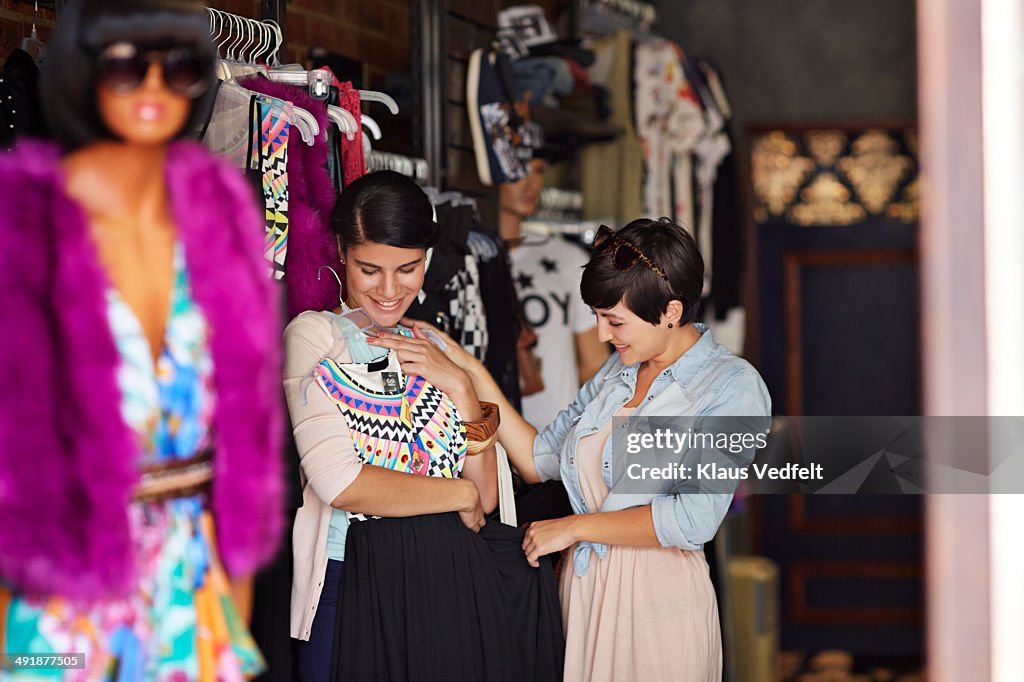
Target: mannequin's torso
[{"x": 122, "y": 191}]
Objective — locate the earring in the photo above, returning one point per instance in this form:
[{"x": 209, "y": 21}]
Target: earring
[{"x": 670, "y": 325}]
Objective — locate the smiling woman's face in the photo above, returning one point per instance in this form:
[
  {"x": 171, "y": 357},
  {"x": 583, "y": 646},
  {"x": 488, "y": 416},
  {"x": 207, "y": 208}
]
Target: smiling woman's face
[
  {"x": 635, "y": 339},
  {"x": 383, "y": 280}
]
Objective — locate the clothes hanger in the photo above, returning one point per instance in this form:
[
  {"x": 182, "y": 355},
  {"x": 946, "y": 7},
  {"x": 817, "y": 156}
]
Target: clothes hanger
[
  {"x": 383, "y": 98},
  {"x": 272, "y": 60},
  {"x": 439, "y": 198},
  {"x": 32, "y": 44},
  {"x": 229, "y": 70},
  {"x": 371, "y": 125},
  {"x": 345, "y": 121}
]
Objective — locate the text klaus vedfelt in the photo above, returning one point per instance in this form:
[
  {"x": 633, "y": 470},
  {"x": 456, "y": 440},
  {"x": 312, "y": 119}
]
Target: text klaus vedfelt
[{"x": 666, "y": 439}]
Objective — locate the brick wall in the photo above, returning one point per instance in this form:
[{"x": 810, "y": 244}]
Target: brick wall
[
  {"x": 16, "y": 23},
  {"x": 374, "y": 32}
]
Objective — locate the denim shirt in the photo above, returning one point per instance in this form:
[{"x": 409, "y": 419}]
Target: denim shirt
[{"x": 707, "y": 380}]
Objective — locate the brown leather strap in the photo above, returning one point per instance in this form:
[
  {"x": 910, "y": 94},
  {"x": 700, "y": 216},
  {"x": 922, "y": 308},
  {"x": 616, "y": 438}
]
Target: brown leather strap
[
  {"x": 482, "y": 433},
  {"x": 158, "y": 467},
  {"x": 181, "y": 478}
]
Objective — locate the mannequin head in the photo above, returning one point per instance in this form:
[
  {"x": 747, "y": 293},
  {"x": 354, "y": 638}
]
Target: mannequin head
[
  {"x": 518, "y": 200},
  {"x": 635, "y": 304},
  {"x": 136, "y": 71},
  {"x": 384, "y": 225}
]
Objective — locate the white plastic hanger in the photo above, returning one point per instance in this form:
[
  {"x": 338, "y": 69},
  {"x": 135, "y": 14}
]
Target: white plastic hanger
[
  {"x": 383, "y": 98},
  {"x": 371, "y": 125},
  {"x": 240, "y": 35},
  {"x": 32, "y": 44},
  {"x": 345, "y": 121}
]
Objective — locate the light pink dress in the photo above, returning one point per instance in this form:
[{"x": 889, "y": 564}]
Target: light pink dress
[{"x": 641, "y": 613}]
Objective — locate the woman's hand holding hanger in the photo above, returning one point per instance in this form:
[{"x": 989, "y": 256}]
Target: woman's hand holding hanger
[
  {"x": 456, "y": 353},
  {"x": 420, "y": 356},
  {"x": 514, "y": 433}
]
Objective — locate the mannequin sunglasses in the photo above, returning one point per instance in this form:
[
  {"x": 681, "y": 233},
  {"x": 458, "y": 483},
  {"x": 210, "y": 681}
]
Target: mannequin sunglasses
[{"x": 123, "y": 66}]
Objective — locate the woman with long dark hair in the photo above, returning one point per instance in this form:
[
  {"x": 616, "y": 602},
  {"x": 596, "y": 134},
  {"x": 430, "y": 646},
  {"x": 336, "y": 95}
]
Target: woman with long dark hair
[
  {"x": 397, "y": 575},
  {"x": 139, "y": 446}
]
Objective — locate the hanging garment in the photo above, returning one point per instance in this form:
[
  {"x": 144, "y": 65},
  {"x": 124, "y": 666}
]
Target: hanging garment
[
  {"x": 21, "y": 115},
  {"x": 610, "y": 172},
  {"x": 497, "y": 289},
  {"x": 727, "y": 233},
  {"x": 670, "y": 123},
  {"x": 311, "y": 198},
  {"x": 229, "y": 130},
  {"x": 468, "y": 306},
  {"x": 547, "y": 276},
  {"x": 711, "y": 150},
  {"x": 273, "y": 166},
  {"x": 353, "y": 162},
  {"x": 451, "y": 298},
  {"x": 476, "y": 589}
]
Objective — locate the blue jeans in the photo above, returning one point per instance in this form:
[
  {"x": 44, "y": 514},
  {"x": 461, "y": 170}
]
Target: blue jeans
[{"x": 315, "y": 655}]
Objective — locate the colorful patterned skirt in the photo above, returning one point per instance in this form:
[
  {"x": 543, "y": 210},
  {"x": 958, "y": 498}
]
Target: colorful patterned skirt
[{"x": 181, "y": 623}]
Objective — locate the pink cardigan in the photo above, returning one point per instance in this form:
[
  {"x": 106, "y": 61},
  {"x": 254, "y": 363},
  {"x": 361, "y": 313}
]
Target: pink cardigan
[{"x": 67, "y": 459}]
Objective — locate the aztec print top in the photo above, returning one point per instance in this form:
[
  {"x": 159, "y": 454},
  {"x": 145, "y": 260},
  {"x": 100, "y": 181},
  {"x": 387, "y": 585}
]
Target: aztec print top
[{"x": 402, "y": 422}]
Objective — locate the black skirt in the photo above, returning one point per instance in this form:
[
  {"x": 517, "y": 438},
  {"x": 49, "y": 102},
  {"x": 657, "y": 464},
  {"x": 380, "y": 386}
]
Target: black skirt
[{"x": 425, "y": 599}]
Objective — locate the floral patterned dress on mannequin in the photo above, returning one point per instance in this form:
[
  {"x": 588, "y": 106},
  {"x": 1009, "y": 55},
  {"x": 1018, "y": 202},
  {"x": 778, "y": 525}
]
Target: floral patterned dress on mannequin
[{"x": 181, "y": 623}]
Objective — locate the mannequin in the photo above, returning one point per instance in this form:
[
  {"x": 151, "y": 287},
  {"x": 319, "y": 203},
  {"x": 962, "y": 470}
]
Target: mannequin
[
  {"x": 548, "y": 276},
  {"x": 149, "y": 419}
]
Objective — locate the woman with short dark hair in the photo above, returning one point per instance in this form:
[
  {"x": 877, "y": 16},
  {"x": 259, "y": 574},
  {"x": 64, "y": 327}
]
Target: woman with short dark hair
[
  {"x": 637, "y": 600},
  {"x": 139, "y": 438}
]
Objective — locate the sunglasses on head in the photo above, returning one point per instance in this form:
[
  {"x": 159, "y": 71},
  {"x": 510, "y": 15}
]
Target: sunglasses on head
[
  {"x": 624, "y": 254},
  {"x": 123, "y": 67}
]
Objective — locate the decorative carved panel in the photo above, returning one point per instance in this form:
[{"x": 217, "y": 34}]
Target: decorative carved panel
[{"x": 835, "y": 176}]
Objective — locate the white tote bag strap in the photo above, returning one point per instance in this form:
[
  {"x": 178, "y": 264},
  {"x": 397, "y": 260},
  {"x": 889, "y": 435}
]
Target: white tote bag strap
[{"x": 506, "y": 496}]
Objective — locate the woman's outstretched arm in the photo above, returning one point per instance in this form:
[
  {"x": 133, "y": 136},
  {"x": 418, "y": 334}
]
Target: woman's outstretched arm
[{"x": 514, "y": 433}]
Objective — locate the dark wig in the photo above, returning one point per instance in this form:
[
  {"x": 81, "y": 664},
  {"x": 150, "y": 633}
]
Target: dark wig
[
  {"x": 385, "y": 208},
  {"x": 639, "y": 288},
  {"x": 85, "y": 29}
]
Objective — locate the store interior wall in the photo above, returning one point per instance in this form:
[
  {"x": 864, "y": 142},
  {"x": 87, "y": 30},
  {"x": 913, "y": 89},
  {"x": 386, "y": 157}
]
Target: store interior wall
[{"x": 798, "y": 61}]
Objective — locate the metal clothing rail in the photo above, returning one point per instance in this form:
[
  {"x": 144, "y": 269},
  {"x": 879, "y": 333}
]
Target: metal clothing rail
[
  {"x": 430, "y": 92},
  {"x": 414, "y": 168}
]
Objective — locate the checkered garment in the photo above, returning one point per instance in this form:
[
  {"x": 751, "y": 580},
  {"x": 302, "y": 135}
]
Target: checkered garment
[{"x": 466, "y": 307}]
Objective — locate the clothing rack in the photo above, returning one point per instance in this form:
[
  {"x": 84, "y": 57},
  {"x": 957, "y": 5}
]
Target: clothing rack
[
  {"x": 583, "y": 230},
  {"x": 414, "y": 168},
  {"x": 242, "y": 39},
  {"x": 554, "y": 199}
]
